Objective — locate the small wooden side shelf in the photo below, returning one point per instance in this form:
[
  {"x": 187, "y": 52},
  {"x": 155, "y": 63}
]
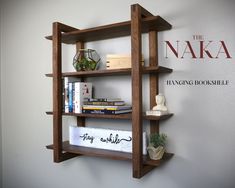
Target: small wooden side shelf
[{"x": 141, "y": 21}]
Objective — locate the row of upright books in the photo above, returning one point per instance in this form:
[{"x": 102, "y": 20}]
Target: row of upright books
[
  {"x": 77, "y": 97},
  {"x": 74, "y": 94}
]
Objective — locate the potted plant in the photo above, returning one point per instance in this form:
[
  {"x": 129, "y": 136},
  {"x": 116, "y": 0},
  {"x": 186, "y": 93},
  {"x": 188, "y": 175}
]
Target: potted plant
[
  {"x": 156, "y": 146},
  {"x": 86, "y": 60}
]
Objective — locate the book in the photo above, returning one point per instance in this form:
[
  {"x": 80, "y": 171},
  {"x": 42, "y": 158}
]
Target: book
[
  {"x": 99, "y": 107},
  {"x": 107, "y": 103},
  {"x": 156, "y": 113},
  {"x": 71, "y": 99},
  {"x": 106, "y": 111},
  {"x": 82, "y": 90},
  {"x": 104, "y": 100}
]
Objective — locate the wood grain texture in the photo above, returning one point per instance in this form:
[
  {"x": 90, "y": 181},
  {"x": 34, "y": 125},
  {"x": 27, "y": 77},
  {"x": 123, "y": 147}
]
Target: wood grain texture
[
  {"x": 57, "y": 28},
  {"x": 81, "y": 121},
  {"x": 151, "y": 23},
  {"x": 153, "y": 79},
  {"x": 57, "y": 93},
  {"x": 136, "y": 75},
  {"x": 142, "y": 21},
  {"x": 115, "y": 155},
  {"x": 119, "y": 116},
  {"x": 114, "y": 72}
]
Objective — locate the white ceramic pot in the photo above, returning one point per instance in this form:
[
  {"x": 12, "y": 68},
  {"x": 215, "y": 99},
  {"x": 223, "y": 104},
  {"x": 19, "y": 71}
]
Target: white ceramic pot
[{"x": 155, "y": 153}]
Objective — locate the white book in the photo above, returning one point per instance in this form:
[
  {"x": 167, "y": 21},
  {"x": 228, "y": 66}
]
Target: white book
[{"x": 82, "y": 90}]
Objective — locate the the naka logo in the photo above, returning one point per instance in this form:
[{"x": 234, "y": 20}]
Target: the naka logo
[{"x": 200, "y": 48}]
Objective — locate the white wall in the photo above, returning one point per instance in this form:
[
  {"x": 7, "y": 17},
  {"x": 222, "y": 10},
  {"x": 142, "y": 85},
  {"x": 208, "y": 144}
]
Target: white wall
[
  {"x": 201, "y": 133},
  {"x": 0, "y": 99}
]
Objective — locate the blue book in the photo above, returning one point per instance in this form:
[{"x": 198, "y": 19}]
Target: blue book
[{"x": 71, "y": 91}]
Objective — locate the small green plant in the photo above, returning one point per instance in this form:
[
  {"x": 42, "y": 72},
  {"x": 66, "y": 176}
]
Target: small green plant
[
  {"x": 86, "y": 60},
  {"x": 84, "y": 65},
  {"x": 158, "y": 139}
]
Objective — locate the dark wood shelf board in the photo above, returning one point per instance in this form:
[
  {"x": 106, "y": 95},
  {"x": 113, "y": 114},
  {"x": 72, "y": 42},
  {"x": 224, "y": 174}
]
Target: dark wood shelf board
[
  {"x": 158, "y": 117},
  {"x": 93, "y": 152},
  {"x": 115, "y": 155},
  {"x": 114, "y": 72},
  {"x": 152, "y": 23},
  {"x": 151, "y": 162},
  {"x": 99, "y": 116},
  {"x": 119, "y": 116}
]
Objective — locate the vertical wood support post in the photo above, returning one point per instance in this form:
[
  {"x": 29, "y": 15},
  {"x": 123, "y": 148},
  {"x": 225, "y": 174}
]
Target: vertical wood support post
[
  {"x": 81, "y": 121},
  {"x": 57, "y": 28},
  {"x": 136, "y": 75},
  {"x": 138, "y": 12},
  {"x": 153, "y": 61},
  {"x": 57, "y": 93}
]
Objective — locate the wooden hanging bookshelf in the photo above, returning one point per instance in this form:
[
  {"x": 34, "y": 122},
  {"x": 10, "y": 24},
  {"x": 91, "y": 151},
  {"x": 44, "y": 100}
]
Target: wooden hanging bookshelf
[{"x": 141, "y": 21}]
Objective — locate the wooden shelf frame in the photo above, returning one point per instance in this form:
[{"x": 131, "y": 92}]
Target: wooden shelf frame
[
  {"x": 127, "y": 116},
  {"x": 115, "y": 72},
  {"x": 114, "y": 155},
  {"x": 150, "y": 23},
  {"x": 141, "y": 22}
]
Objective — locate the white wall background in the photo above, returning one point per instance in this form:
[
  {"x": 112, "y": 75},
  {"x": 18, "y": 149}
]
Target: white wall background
[
  {"x": 0, "y": 99},
  {"x": 201, "y": 133}
]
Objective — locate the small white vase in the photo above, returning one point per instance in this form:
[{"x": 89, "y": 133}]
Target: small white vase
[{"x": 156, "y": 153}]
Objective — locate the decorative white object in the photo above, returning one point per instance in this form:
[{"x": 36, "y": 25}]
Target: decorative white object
[
  {"x": 116, "y": 140},
  {"x": 160, "y": 109},
  {"x": 160, "y": 101}
]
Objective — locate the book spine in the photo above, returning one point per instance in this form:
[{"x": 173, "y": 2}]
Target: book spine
[
  {"x": 77, "y": 97},
  {"x": 85, "y": 111},
  {"x": 70, "y": 105},
  {"x": 97, "y": 100},
  {"x": 66, "y": 95},
  {"x": 66, "y": 81},
  {"x": 92, "y": 107},
  {"x": 104, "y": 100},
  {"x": 82, "y": 91},
  {"x": 63, "y": 95},
  {"x": 120, "y": 103},
  {"x": 98, "y": 107},
  {"x": 98, "y": 111}
]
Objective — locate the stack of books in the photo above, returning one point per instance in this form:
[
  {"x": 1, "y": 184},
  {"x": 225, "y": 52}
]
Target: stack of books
[{"x": 105, "y": 106}]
